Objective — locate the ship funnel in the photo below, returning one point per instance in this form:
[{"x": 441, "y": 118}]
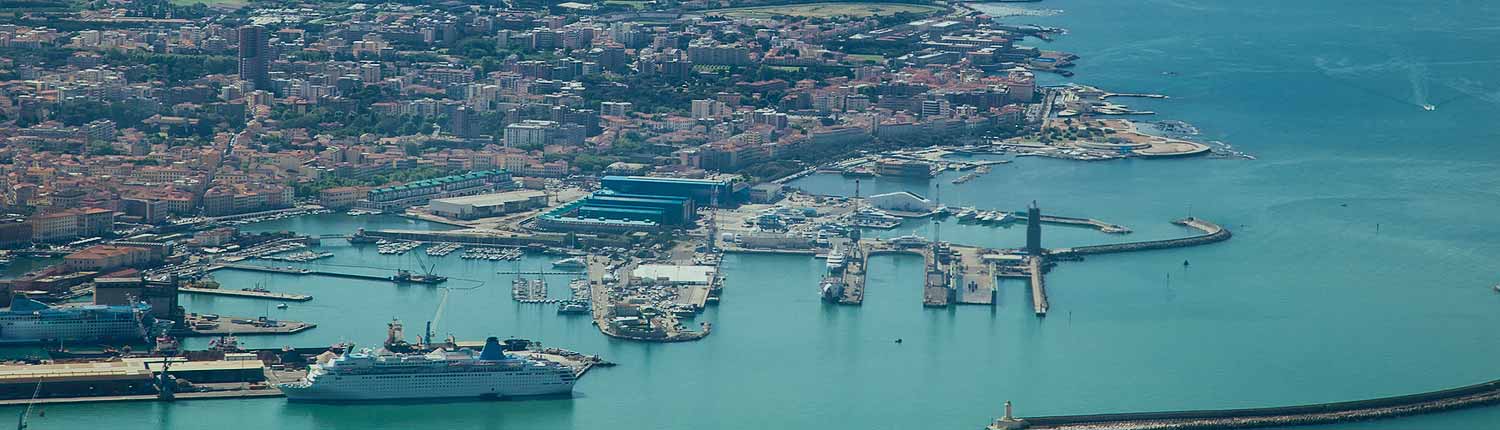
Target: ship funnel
[{"x": 492, "y": 350}]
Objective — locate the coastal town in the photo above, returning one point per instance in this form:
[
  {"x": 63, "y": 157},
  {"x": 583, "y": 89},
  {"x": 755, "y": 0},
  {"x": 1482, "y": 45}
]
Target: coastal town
[{"x": 629, "y": 145}]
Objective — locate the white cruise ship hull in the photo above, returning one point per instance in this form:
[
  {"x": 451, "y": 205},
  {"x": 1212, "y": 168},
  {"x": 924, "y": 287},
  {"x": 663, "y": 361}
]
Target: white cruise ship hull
[{"x": 537, "y": 382}]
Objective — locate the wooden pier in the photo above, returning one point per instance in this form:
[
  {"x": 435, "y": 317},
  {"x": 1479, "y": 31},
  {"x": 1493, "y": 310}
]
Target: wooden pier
[{"x": 246, "y": 294}]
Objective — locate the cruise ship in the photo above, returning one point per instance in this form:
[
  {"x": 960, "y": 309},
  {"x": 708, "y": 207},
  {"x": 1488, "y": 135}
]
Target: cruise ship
[
  {"x": 465, "y": 373},
  {"x": 30, "y": 321}
]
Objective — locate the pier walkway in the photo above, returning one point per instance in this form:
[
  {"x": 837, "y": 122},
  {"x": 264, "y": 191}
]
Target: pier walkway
[{"x": 1487, "y": 393}]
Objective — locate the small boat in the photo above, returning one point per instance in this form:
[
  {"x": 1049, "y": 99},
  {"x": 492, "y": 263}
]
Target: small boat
[
  {"x": 281, "y": 306},
  {"x": 1185, "y": 263},
  {"x": 1497, "y": 288},
  {"x": 570, "y": 263},
  {"x": 1428, "y": 107}
]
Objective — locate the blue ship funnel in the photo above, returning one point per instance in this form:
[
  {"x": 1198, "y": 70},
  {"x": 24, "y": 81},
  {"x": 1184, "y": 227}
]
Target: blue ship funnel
[{"x": 492, "y": 350}]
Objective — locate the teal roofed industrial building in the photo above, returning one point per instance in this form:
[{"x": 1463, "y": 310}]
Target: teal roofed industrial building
[
  {"x": 478, "y": 174},
  {"x": 701, "y": 191},
  {"x": 637, "y": 203}
]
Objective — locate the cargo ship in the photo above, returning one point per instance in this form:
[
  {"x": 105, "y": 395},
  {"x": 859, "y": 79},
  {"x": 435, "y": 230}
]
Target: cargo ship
[{"x": 441, "y": 374}]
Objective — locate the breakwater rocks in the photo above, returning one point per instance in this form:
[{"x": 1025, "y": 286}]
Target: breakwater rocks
[
  {"x": 1487, "y": 393},
  {"x": 1211, "y": 233}
]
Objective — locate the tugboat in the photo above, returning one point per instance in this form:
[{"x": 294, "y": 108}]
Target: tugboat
[
  {"x": 225, "y": 343},
  {"x": 166, "y": 346}
]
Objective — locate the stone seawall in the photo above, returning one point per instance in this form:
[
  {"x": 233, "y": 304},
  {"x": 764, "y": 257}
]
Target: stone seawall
[
  {"x": 1211, "y": 233},
  {"x": 1487, "y": 393}
]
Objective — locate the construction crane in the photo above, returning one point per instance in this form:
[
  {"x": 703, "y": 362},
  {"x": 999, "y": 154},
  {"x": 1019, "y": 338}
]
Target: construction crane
[{"x": 436, "y": 317}]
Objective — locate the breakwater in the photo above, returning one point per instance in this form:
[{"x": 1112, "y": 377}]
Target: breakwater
[
  {"x": 1211, "y": 233},
  {"x": 1487, "y": 393}
]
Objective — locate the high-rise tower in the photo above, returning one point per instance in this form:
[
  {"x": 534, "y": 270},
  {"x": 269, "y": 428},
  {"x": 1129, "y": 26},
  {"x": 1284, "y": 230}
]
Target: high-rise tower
[
  {"x": 255, "y": 61},
  {"x": 1033, "y": 230}
]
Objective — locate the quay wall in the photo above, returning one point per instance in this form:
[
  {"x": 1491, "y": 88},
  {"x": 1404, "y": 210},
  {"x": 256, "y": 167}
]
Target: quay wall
[
  {"x": 1487, "y": 393},
  {"x": 1212, "y": 233}
]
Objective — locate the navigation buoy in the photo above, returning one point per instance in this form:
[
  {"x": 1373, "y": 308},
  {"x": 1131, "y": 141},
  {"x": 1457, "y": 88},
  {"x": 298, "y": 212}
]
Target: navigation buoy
[{"x": 898, "y": 340}]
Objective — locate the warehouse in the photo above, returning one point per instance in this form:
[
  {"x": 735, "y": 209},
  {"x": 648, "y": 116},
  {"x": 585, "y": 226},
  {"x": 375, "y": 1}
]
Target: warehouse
[{"x": 488, "y": 205}]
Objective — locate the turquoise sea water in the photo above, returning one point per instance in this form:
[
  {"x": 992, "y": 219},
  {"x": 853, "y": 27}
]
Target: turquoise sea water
[{"x": 1310, "y": 301}]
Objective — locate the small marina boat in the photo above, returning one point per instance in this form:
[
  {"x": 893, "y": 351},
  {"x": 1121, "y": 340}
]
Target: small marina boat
[
  {"x": 281, "y": 306},
  {"x": 571, "y": 263}
]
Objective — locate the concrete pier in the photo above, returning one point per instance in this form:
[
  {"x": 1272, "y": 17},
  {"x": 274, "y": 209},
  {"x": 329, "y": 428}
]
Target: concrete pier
[
  {"x": 854, "y": 276},
  {"x": 245, "y": 294},
  {"x": 935, "y": 288},
  {"x": 242, "y": 326},
  {"x": 296, "y": 271},
  {"x": 973, "y": 278},
  {"x": 1038, "y": 286}
]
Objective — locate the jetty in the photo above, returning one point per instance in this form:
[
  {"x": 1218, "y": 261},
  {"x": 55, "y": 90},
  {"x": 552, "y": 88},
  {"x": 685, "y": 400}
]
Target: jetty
[
  {"x": 1038, "y": 286},
  {"x": 297, "y": 271},
  {"x": 246, "y": 294},
  {"x": 973, "y": 278},
  {"x": 1078, "y": 222},
  {"x": 240, "y": 326},
  {"x": 854, "y": 276},
  {"x": 1211, "y": 233},
  {"x": 1482, "y": 394}
]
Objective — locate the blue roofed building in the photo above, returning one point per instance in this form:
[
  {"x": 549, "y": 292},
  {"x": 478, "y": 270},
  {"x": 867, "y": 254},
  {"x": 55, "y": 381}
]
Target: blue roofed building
[{"x": 701, "y": 191}]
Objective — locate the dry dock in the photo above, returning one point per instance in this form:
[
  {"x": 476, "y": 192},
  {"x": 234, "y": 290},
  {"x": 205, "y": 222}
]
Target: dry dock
[{"x": 246, "y": 294}]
